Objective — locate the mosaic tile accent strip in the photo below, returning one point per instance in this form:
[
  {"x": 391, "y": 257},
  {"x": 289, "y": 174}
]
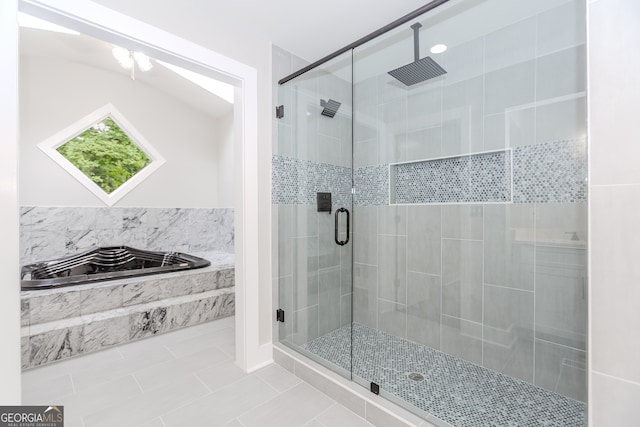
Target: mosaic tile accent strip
[
  {"x": 296, "y": 182},
  {"x": 552, "y": 172},
  {"x": 477, "y": 178},
  {"x": 372, "y": 185},
  {"x": 456, "y": 391}
]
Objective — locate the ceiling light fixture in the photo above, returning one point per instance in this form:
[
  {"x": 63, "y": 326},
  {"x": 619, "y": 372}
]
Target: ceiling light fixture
[
  {"x": 128, "y": 60},
  {"x": 439, "y": 48}
]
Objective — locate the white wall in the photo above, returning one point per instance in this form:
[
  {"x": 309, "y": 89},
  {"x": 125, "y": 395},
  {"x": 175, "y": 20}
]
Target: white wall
[
  {"x": 614, "y": 88},
  {"x": 56, "y": 93},
  {"x": 225, "y": 161},
  {"x": 10, "y": 393}
]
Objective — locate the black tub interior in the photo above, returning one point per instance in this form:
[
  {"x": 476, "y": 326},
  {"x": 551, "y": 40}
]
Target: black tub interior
[{"x": 105, "y": 263}]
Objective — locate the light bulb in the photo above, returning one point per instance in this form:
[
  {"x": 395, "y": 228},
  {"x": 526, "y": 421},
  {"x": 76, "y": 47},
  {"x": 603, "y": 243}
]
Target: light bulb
[
  {"x": 123, "y": 56},
  {"x": 144, "y": 62}
]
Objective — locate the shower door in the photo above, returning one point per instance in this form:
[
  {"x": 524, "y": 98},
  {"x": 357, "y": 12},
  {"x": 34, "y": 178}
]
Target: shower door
[
  {"x": 312, "y": 199},
  {"x": 470, "y": 214}
]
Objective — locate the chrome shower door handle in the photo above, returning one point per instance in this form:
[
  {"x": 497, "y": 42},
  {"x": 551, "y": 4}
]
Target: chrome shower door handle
[{"x": 336, "y": 228}]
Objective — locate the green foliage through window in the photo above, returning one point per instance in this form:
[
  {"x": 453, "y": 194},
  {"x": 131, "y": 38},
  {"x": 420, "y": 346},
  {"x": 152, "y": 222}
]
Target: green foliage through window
[{"x": 105, "y": 154}]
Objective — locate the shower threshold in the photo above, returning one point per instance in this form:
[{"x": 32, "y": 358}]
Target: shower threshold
[{"x": 453, "y": 390}]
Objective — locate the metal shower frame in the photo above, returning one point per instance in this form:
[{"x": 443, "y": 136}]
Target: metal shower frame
[{"x": 400, "y": 21}]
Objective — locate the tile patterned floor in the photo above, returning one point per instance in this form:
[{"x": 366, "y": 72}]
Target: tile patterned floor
[
  {"x": 182, "y": 378},
  {"x": 456, "y": 391}
]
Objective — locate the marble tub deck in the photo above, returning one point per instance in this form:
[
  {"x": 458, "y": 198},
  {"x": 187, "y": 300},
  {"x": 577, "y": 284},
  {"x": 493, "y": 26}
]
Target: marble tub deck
[{"x": 65, "y": 322}]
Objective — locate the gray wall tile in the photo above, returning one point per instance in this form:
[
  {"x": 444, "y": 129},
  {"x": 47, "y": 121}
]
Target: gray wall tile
[
  {"x": 423, "y": 239},
  {"x": 509, "y": 245},
  {"x": 462, "y": 339},
  {"x": 561, "y": 369},
  {"x": 462, "y": 279},
  {"x": 365, "y": 295},
  {"x": 423, "y": 308},
  {"x": 462, "y": 222},
  {"x": 508, "y": 331},
  {"x": 392, "y": 272}
]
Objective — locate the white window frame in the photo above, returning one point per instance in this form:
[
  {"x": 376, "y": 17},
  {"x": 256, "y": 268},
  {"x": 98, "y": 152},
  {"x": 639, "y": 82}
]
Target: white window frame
[{"x": 50, "y": 147}]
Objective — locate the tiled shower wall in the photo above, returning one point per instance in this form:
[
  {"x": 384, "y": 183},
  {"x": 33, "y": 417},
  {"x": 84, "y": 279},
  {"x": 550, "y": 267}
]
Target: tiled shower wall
[
  {"x": 52, "y": 232},
  {"x": 499, "y": 284}
]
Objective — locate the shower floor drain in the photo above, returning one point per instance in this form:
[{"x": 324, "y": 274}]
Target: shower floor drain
[{"x": 415, "y": 376}]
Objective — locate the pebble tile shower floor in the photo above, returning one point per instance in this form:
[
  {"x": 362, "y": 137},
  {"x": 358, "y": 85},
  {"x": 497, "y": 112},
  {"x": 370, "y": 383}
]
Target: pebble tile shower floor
[{"x": 456, "y": 391}]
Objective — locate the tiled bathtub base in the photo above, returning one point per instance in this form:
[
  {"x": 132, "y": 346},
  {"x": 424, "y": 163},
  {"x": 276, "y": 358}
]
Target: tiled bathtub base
[
  {"x": 60, "y": 339},
  {"x": 53, "y": 304},
  {"x": 66, "y": 322},
  {"x": 456, "y": 391}
]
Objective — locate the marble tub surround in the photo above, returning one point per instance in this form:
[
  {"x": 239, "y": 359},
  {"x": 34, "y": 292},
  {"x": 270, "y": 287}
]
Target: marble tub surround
[
  {"x": 53, "y": 232},
  {"x": 47, "y": 305},
  {"x": 66, "y": 322},
  {"x": 58, "y": 340}
]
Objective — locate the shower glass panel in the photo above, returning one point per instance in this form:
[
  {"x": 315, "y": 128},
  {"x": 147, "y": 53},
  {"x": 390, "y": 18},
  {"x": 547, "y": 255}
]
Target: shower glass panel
[
  {"x": 312, "y": 163},
  {"x": 468, "y": 277},
  {"x": 470, "y": 214}
]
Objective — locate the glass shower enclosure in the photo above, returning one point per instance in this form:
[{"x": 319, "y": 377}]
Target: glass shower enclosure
[{"x": 448, "y": 270}]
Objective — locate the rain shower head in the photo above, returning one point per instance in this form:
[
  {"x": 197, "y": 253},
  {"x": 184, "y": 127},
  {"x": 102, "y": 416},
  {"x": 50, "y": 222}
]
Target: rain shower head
[
  {"x": 419, "y": 70},
  {"x": 330, "y": 107}
]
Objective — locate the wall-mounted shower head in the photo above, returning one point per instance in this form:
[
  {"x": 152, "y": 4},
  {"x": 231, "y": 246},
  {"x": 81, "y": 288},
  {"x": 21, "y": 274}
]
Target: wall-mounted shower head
[
  {"x": 419, "y": 70},
  {"x": 330, "y": 107}
]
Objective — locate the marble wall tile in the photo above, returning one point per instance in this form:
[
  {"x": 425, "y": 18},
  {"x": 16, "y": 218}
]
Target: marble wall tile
[
  {"x": 25, "y": 352},
  {"x": 134, "y": 218},
  {"x": 26, "y": 215},
  {"x": 191, "y": 313},
  {"x": 168, "y": 239},
  {"x": 53, "y": 232},
  {"x": 81, "y": 218},
  {"x": 109, "y": 218},
  {"x": 46, "y": 244},
  {"x": 80, "y": 240},
  {"x": 139, "y": 293},
  {"x": 225, "y": 278},
  {"x": 186, "y": 314},
  {"x": 48, "y": 217},
  {"x": 55, "y": 345},
  {"x": 105, "y": 333},
  {"x": 134, "y": 237},
  {"x": 25, "y": 312},
  {"x": 100, "y": 299},
  {"x": 171, "y": 217},
  {"x": 178, "y": 285},
  {"x": 223, "y": 239},
  {"x": 147, "y": 323},
  {"x": 222, "y": 306},
  {"x": 54, "y": 306}
]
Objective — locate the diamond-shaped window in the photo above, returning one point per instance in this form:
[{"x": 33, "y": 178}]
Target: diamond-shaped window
[{"x": 105, "y": 153}]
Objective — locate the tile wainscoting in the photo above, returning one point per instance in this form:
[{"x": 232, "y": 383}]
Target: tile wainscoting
[
  {"x": 66, "y": 322},
  {"x": 53, "y": 232}
]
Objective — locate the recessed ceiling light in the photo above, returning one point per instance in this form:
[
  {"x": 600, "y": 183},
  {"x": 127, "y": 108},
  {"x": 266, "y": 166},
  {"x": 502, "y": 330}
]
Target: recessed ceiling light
[{"x": 439, "y": 48}]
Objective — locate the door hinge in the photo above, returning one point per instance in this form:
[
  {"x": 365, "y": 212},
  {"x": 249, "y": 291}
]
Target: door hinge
[
  {"x": 279, "y": 111},
  {"x": 375, "y": 388},
  {"x": 280, "y": 315}
]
